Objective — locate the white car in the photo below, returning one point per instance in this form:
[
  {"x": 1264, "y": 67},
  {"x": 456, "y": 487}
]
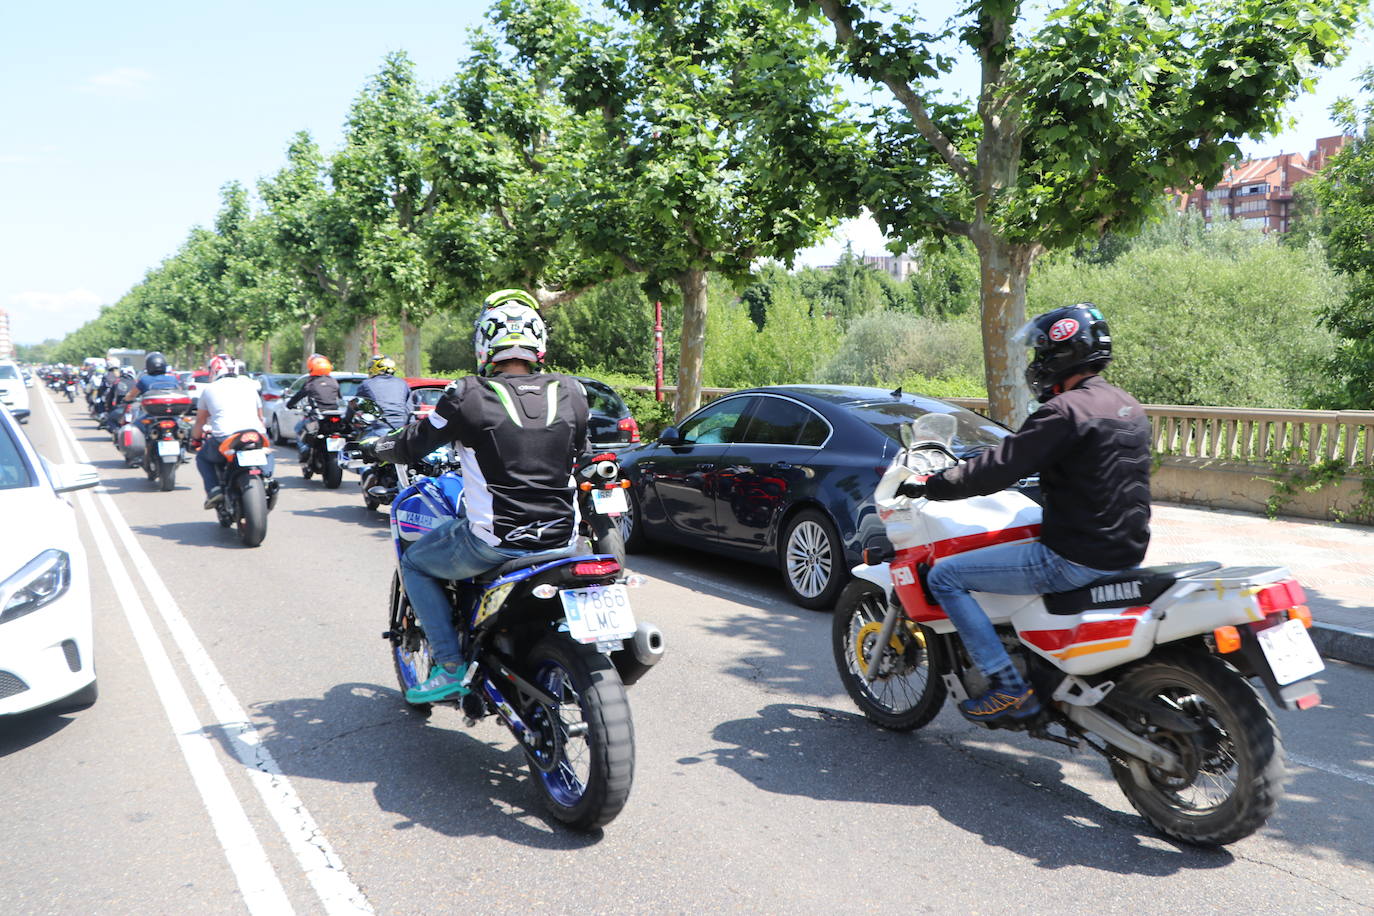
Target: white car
[
  {"x": 281, "y": 422},
  {"x": 13, "y": 394},
  {"x": 46, "y": 655}
]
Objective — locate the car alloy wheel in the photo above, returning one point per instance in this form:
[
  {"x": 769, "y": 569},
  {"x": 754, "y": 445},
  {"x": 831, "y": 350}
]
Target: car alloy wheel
[{"x": 812, "y": 561}]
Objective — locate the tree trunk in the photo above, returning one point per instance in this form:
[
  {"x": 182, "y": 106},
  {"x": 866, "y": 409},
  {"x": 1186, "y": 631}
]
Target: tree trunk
[
  {"x": 693, "y": 286},
  {"x": 410, "y": 333},
  {"x": 267, "y": 354},
  {"x": 308, "y": 332},
  {"x": 1005, "y": 268},
  {"x": 353, "y": 345}
]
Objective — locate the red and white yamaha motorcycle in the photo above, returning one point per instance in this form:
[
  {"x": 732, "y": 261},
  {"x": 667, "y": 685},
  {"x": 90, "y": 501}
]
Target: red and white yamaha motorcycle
[{"x": 1151, "y": 667}]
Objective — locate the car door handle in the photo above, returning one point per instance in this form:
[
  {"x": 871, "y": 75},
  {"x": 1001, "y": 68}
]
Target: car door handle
[
  {"x": 706, "y": 467},
  {"x": 782, "y": 465}
]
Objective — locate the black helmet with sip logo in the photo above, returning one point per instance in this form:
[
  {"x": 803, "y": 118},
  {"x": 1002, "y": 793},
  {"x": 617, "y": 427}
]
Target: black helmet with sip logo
[{"x": 1066, "y": 341}]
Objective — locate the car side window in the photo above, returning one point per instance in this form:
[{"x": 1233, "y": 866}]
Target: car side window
[
  {"x": 14, "y": 470},
  {"x": 780, "y": 422},
  {"x": 716, "y": 423}
]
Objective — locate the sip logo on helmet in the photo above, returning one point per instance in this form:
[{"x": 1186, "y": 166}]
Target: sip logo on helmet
[{"x": 1063, "y": 329}]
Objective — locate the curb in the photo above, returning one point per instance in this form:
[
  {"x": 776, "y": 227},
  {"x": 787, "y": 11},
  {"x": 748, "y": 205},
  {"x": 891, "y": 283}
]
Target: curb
[{"x": 1344, "y": 643}]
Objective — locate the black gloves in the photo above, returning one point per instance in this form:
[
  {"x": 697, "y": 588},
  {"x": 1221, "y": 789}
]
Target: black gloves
[{"x": 912, "y": 488}]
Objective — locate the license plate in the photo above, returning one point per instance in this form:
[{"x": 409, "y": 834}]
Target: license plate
[
  {"x": 253, "y": 458},
  {"x": 334, "y": 444},
  {"x": 598, "y": 614},
  {"x": 169, "y": 448},
  {"x": 606, "y": 502},
  {"x": 1290, "y": 652}
]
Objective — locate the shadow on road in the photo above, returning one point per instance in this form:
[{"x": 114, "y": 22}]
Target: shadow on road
[
  {"x": 375, "y": 523},
  {"x": 431, "y": 774},
  {"x": 207, "y": 533},
  {"x": 26, "y": 729},
  {"x": 1020, "y": 803}
]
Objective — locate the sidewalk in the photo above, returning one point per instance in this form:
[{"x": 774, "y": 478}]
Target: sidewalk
[{"x": 1334, "y": 564}]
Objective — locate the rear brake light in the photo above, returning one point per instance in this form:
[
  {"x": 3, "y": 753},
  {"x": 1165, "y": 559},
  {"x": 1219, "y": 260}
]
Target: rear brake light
[
  {"x": 248, "y": 438},
  {"x": 271, "y": 397},
  {"x": 628, "y": 425},
  {"x": 1281, "y": 596},
  {"x": 596, "y": 568}
]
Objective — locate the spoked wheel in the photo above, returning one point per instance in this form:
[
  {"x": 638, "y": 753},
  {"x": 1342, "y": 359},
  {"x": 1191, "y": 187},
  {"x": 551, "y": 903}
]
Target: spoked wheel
[
  {"x": 909, "y": 690},
  {"x": 585, "y": 762},
  {"x": 410, "y": 654},
  {"x": 813, "y": 561},
  {"x": 1232, "y": 764},
  {"x": 252, "y": 518}
]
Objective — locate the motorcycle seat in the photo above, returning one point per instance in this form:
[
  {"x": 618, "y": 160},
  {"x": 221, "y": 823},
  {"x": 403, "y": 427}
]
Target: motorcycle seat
[
  {"x": 1128, "y": 588},
  {"x": 534, "y": 559}
]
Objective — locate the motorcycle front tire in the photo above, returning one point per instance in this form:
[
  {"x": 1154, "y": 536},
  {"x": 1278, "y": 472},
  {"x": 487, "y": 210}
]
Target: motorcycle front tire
[
  {"x": 1236, "y": 731},
  {"x": 588, "y": 787},
  {"x": 252, "y": 520},
  {"x": 410, "y": 655}
]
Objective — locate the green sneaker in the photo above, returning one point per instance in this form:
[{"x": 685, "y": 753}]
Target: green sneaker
[{"x": 442, "y": 685}]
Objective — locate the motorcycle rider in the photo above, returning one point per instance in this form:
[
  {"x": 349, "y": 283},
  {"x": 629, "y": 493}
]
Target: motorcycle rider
[
  {"x": 117, "y": 394},
  {"x": 107, "y": 381},
  {"x": 229, "y": 404},
  {"x": 383, "y": 388},
  {"x": 323, "y": 391},
  {"x": 518, "y": 430},
  {"x": 155, "y": 377},
  {"x": 1090, "y": 444}
]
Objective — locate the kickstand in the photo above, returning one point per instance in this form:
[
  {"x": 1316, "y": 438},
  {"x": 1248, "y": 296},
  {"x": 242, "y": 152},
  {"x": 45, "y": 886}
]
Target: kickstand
[{"x": 1043, "y": 731}]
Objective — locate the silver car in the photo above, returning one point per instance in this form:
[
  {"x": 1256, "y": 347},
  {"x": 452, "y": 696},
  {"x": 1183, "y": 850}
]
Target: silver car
[{"x": 281, "y": 420}]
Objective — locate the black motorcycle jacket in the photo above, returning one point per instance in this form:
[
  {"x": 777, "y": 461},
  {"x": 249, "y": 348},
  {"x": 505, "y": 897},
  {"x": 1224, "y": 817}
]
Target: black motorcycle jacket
[
  {"x": 518, "y": 437},
  {"x": 1091, "y": 448},
  {"x": 390, "y": 394},
  {"x": 322, "y": 390}
]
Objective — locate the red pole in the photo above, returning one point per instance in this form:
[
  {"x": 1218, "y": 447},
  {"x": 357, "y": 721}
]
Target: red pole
[
  {"x": 658, "y": 351},
  {"x": 374, "y": 336}
]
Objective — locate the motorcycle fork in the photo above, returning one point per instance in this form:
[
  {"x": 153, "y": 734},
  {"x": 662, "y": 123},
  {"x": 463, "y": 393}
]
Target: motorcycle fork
[{"x": 875, "y": 659}]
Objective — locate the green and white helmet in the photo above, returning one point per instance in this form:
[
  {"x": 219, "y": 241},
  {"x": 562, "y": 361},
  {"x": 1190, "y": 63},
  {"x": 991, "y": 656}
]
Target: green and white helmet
[{"x": 509, "y": 328}]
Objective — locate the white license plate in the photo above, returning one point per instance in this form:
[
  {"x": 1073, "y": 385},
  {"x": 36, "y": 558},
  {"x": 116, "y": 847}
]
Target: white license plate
[
  {"x": 598, "y": 614},
  {"x": 253, "y": 457},
  {"x": 169, "y": 448},
  {"x": 606, "y": 502},
  {"x": 1290, "y": 652},
  {"x": 334, "y": 444}
]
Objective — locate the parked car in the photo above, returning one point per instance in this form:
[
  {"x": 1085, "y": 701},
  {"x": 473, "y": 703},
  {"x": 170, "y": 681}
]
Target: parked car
[
  {"x": 609, "y": 424},
  {"x": 13, "y": 393},
  {"x": 425, "y": 393},
  {"x": 192, "y": 381},
  {"x": 782, "y": 476},
  {"x": 46, "y": 654},
  {"x": 272, "y": 389},
  {"x": 281, "y": 426}
]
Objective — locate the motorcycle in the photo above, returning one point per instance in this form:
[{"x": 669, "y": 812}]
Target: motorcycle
[
  {"x": 70, "y": 389},
  {"x": 1150, "y": 667},
  {"x": 325, "y": 437},
  {"x": 377, "y": 479},
  {"x": 551, "y": 644},
  {"x": 154, "y": 435},
  {"x": 602, "y": 502},
  {"x": 249, "y": 491}
]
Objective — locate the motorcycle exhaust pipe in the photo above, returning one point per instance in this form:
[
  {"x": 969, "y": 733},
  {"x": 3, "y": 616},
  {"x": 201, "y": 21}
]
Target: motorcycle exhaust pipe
[{"x": 641, "y": 652}]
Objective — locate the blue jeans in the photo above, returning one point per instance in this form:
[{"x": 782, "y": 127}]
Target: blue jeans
[
  {"x": 301, "y": 445},
  {"x": 209, "y": 461},
  {"x": 1007, "y": 569},
  {"x": 450, "y": 551}
]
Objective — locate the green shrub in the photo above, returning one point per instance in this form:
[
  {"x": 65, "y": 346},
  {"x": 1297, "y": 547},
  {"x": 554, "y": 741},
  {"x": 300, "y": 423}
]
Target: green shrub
[{"x": 883, "y": 348}]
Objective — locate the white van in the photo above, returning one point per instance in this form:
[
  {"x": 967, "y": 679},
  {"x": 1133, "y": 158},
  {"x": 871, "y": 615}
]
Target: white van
[{"x": 13, "y": 394}]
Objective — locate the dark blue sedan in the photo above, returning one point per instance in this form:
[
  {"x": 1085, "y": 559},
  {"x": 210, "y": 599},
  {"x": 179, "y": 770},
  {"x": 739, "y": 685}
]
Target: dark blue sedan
[{"x": 781, "y": 476}]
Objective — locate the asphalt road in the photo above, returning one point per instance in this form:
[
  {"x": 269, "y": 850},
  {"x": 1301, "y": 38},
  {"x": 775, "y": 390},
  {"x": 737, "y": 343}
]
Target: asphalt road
[{"x": 250, "y": 753}]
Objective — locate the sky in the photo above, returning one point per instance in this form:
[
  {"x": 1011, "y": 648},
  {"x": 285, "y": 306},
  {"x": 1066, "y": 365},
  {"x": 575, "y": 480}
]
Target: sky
[{"x": 119, "y": 124}]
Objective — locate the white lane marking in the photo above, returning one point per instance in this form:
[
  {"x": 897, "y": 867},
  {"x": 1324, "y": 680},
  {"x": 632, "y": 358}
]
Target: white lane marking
[
  {"x": 257, "y": 881},
  {"x": 316, "y": 856},
  {"x": 1333, "y": 769}
]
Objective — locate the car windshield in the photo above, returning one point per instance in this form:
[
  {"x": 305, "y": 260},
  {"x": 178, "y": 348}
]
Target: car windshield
[
  {"x": 972, "y": 433},
  {"x": 14, "y": 470},
  {"x": 426, "y": 396},
  {"x": 348, "y": 387},
  {"x": 8, "y": 372},
  {"x": 603, "y": 401}
]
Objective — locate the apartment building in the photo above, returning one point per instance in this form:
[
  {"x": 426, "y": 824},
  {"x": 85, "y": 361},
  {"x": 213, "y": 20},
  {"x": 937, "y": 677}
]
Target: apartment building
[
  {"x": 1259, "y": 192},
  {"x": 6, "y": 346}
]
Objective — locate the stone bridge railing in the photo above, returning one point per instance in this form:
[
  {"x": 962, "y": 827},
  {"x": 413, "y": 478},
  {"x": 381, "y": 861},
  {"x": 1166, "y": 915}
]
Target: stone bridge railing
[{"x": 1241, "y": 457}]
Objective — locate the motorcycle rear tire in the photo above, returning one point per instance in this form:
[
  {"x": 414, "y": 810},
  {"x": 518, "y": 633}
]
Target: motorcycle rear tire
[
  {"x": 588, "y": 687},
  {"x": 888, "y": 701},
  {"x": 1235, "y": 723},
  {"x": 606, "y": 536},
  {"x": 333, "y": 471},
  {"x": 410, "y": 655},
  {"x": 166, "y": 475},
  {"x": 252, "y": 520}
]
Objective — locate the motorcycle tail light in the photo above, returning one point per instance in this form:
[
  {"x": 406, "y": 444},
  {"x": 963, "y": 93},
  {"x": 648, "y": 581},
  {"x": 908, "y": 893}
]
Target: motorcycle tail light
[
  {"x": 596, "y": 568},
  {"x": 1301, "y": 612},
  {"x": 628, "y": 425},
  {"x": 1281, "y": 596},
  {"x": 1227, "y": 639}
]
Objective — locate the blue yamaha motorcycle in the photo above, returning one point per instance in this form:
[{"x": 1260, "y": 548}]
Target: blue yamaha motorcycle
[{"x": 551, "y": 643}]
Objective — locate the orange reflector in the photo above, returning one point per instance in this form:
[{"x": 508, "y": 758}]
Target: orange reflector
[
  {"x": 1301, "y": 612},
  {"x": 1228, "y": 639},
  {"x": 625, "y": 484},
  {"x": 1307, "y": 702},
  {"x": 584, "y": 486}
]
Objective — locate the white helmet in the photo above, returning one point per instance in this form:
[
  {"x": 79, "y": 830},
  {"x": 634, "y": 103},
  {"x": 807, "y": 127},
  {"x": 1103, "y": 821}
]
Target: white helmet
[
  {"x": 112, "y": 363},
  {"x": 509, "y": 328}
]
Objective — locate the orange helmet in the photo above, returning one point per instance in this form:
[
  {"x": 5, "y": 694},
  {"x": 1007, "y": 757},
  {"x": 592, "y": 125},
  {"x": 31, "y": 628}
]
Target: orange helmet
[{"x": 319, "y": 365}]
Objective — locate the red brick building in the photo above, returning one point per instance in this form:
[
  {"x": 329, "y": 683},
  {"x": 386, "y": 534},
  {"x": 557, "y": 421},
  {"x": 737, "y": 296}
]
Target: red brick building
[{"x": 1259, "y": 192}]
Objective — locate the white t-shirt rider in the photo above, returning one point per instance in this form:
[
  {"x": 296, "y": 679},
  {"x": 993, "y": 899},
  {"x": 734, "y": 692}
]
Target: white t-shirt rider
[{"x": 232, "y": 403}]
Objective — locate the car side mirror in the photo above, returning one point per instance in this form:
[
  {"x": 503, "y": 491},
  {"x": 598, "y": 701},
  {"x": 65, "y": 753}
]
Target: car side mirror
[
  {"x": 670, "y": 436},
  {"x": 68, "y": 477}
]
